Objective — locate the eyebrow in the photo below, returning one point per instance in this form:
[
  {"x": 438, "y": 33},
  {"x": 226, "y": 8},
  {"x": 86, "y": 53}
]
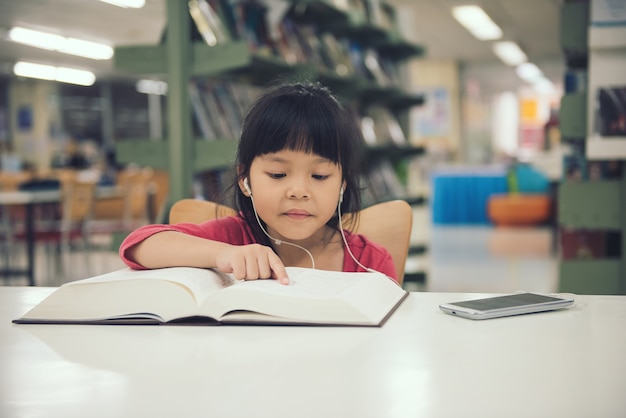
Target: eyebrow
[{"x": 275, "y": 158}]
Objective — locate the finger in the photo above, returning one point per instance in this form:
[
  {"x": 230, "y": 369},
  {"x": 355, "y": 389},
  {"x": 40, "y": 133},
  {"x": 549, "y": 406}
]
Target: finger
[
  {"x": 238, "y": 268},
  {"x": 278, "y": 270},
  {"x": 252, "y": 268},
  {"x": 265, "y": 271}
]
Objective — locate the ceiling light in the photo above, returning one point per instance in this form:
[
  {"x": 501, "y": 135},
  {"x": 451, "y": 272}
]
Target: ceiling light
[
  {"x": 474, "y": 19},
  {"x": 528, "y": 72},
  {"x": 509, "y": 52},
  {"x": 36, "y": 38},
  {"x": 87, "y": 49},
  {"x": 60, "y": 43},
  {"x": 49, "y": 72},
  {"x": 135, "y": 4}
]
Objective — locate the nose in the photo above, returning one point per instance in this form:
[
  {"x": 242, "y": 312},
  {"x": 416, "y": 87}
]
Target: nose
[{"x": 298, "y": 190}]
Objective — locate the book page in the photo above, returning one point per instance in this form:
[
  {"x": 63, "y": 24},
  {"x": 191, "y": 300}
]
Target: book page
[
  {"x": 155, "y": 295},
  {"x": 313, "y": 296},
  {"x": 199, "y": 282}
]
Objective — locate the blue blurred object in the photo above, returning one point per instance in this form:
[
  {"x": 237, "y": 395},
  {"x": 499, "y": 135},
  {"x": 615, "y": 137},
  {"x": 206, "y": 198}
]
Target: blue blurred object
[
  {"x": 530, "y": 180},
  {"x": 460, "y": 195}
]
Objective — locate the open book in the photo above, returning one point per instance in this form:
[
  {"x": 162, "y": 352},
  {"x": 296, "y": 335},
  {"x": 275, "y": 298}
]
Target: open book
[{"x": 201, "y": 296}]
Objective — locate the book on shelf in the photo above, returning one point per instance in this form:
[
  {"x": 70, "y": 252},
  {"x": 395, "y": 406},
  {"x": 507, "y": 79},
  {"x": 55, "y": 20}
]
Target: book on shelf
[
  {"x": 383, "y": 183},
  {"x": 386, "y": 127},
  {"x": 372, "y": 64},
  {"x": 208, "y": 22},
  {"x": 243, "y": 95},
  {"x": 289, "y": 48},
  {"x": 216, "y": 113},
  {"x": 185, "y": 295},
  {"x": 581, "y": 244},
  {"x": 229, "y": 108},
  {"x": 200, "y": 113},
  {"x": 337, "y": 55}
]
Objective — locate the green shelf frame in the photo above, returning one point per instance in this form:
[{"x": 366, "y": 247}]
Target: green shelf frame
[
  {"x": 591, "y": 277},
  {"x": 205, "y": 60},
  {"x": 207, "y": 155},
  {"x": 573, "y": 116},
  {"x": 573, "y": 30},
  {"x": 591, "y": 204}
]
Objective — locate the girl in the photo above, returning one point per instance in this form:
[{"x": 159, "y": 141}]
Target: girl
[{"x": 297, "y": 172}]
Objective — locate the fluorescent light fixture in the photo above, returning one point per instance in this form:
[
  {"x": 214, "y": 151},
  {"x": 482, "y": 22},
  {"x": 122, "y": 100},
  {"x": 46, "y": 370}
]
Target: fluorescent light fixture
[
  {"x": 528, "y": 72},
  {"x": 509, "y": 52},
  {"x": 87, "y": 49},
  {"x": 36, "y": 38},
  {"x": 60, "y": 43},
  {"x": 134, "y": 4},
  {"x": 152, "y": 87},
  {"x": 49, "y": 72},
  {"x": 475, "y": 20}
]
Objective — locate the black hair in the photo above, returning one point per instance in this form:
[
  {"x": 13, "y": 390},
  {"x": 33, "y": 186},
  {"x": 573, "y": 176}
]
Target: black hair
[{"x": 300, "y": 117}]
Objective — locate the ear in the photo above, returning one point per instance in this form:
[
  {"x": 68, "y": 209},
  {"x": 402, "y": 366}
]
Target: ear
[
  {"x": 242, "y": 186},
  {"x": 241, "y": 177}
]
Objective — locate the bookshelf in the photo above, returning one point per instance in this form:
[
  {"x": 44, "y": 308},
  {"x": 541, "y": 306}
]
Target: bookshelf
[
  {"x": 181, "y": 59},
  {"x": 591, "y": 198}
]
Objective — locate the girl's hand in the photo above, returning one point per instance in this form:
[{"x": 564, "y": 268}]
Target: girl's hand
[{"x": 251, "y": 262}]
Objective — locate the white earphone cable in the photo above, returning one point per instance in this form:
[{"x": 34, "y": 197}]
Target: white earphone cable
[
  {"x": 277, "y": 241},
  {"x": 345, "y": 241}
]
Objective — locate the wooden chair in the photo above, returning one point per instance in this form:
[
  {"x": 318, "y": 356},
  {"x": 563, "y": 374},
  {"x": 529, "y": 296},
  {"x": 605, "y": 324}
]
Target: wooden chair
[
  {"x": 127, "y": 211},
  {"x": 68, "y": 223},
  {"x": 387, "y": 223}
]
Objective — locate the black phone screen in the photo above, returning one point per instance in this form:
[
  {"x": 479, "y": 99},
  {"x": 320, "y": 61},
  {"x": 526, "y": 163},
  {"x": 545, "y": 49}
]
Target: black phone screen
[{"x": 508, "y": 301}]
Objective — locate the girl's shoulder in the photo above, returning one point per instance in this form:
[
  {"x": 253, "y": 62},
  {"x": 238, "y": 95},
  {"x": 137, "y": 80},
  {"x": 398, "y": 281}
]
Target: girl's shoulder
[
  {"x": 363, "y": 244},
  {"x": 369, "y": 254}
]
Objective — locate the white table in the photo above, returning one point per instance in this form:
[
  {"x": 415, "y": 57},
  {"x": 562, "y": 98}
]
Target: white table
[
  {"x": 421, "y": 363},
  {"x": 30, "y": 199}
]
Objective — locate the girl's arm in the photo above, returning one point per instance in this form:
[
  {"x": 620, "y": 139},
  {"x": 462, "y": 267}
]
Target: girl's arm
[{"x": 170, "y": 248}]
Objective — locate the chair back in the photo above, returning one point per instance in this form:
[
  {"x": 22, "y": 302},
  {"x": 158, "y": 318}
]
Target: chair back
[
  {"x": 136, "y": 192},
  {"x": 388, "y": 224},
  {"x": 159, "y": 191},
  {"x": 129, "y": 209},
  {"x": 197, "y": 211},
  {"x": 77, "y": 200}
]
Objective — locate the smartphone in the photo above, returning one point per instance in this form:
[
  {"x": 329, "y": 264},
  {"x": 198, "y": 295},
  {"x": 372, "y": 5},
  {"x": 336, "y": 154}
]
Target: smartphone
[{"x": 499, "y": 306}]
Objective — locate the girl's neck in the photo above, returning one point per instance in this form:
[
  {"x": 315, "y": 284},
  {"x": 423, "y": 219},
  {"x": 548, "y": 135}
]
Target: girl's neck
[{"x": 327, "y": 253}]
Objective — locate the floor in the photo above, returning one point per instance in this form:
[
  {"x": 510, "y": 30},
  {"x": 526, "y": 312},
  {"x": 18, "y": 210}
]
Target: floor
[{"x": 458, "y": 259}]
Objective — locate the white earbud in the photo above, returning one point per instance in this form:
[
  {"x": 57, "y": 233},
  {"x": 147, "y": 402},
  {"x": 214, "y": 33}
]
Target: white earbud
[
  {"x": 341, "y": 194},
  {"x": 246, "y": 186}
]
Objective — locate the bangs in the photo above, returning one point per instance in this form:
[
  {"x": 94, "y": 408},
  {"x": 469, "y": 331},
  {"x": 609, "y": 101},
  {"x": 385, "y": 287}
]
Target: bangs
[{"x": 299, "y": 125}]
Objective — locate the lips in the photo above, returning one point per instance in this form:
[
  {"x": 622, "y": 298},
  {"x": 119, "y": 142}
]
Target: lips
[{"x": 297, "y": 214}]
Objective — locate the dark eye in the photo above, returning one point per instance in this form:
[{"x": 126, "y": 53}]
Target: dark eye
[
  {"x": 319, "y": 177},
  {"x": 276, "y": 175}
]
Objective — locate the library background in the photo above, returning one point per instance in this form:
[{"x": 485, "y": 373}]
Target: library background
[{"x": 513, "y": 164}]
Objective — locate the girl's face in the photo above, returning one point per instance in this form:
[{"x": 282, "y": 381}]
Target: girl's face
[{"x": 295, "y": 193}]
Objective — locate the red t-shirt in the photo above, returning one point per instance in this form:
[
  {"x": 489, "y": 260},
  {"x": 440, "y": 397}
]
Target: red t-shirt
[{"x": 234, "y": 230}]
